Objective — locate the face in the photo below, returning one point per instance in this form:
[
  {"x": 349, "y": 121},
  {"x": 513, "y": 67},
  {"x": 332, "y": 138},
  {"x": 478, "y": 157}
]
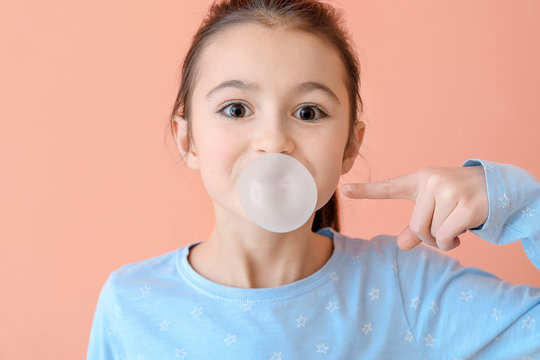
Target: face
[{"x": 268, "y": 91}]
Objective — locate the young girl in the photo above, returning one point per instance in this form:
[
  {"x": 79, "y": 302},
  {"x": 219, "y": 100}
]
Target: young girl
[{"x": 271, "y": 76}]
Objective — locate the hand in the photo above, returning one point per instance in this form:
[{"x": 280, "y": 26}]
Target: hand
[{"x": 448, "y": 202}]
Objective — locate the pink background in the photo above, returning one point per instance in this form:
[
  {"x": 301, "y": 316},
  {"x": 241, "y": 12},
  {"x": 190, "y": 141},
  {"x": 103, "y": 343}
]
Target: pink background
[{"x": 91, "y": 181}]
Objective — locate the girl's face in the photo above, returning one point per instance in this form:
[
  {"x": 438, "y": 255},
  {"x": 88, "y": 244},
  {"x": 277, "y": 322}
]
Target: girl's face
[{"x": 269, "y": 91}]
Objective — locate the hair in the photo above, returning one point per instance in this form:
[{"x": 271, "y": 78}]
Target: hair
[{"x": 311, "y": 16}]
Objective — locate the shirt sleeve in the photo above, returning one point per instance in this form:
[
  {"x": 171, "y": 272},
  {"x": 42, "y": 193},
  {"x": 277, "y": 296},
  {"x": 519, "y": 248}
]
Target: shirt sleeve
[
  {"x": 514, "y": 207},
  {"x": 455, "y": 312},
  {"x": 104, "y": 343}
]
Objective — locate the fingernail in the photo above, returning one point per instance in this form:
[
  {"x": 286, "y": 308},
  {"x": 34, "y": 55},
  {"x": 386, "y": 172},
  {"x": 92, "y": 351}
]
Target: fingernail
[{"x": 348, "y": 188}]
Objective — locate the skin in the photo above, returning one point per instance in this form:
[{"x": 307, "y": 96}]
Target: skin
[{"x": 238, "y": 252}]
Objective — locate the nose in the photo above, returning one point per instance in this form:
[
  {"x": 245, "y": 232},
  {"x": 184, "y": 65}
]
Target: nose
[{"x": 273, "y": 137}]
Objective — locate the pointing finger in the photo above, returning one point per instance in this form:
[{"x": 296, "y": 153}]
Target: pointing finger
[{"x": 400, "y": 187}]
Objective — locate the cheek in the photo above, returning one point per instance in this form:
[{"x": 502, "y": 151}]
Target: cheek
[{"x": 327, "y": 181}]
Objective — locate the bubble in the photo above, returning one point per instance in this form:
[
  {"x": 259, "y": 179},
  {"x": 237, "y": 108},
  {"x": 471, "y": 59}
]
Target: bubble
[{"x": 277, "y": 192}]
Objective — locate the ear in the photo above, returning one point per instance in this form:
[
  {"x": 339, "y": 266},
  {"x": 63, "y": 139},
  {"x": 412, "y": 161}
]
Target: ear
[
  {"x": 190, "y": 155},
  {"x": 352, "y": 152}
]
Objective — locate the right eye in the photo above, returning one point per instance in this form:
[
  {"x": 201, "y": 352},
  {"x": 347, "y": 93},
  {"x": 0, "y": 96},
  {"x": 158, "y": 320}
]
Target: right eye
[{"x": 235, "y": 110}]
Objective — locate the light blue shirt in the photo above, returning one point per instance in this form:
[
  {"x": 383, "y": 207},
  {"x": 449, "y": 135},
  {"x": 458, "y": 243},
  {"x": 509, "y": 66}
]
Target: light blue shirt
[{"x": 371, "y": 300}]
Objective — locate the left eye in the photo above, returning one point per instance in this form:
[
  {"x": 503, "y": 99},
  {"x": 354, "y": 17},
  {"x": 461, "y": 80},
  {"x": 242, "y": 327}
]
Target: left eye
[{"x": 310, "y": 113}]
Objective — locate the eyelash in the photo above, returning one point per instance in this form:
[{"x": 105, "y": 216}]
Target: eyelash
[{"x": 237, "y": 102}]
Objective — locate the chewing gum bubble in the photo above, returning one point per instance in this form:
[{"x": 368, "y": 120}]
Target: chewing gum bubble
[{"x": 277, "y": 192}]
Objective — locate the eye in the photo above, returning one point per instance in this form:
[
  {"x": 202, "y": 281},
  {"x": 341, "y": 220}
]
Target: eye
[
  {"x": 234, "y": 110},
  {"x": 311, "y": 113}
]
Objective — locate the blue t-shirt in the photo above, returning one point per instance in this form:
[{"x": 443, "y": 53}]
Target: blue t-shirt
[{"x": 371, "y": 300}]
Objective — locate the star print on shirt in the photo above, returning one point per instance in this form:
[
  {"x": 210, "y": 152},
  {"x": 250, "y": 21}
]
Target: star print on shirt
[
  {"x": 408, "y": 336},
  {"x": 181, "y": 354},
  {"x": 414, "y": 302},
  {"x": 167, "y": 270},
  {"x": 497, "y": 314},
  {"x": 110, "y": 330},
  {"x": 248, "y": 305},
  {"x": 164, "y": 325},
  {"x": 423, "y": 255},
  {"x": 196, "y": 311},
  {"x": 276, "y": 356},
  {"x": 230, "y": 339},
  {"x": 429, "y": 340},
  {"x": 140, "y": 356},
  {"x": 505, "y": 200},
  {"x": 394, "y": 266},
  {"x": 466, "y": 296},
  {"x": 374, "y": 294},
  {"x": 321, "y": 348},
  {"x": 366, "y": 328},
  {"x": 527, "y": 323},
  {"x": 332, "y": 305},
  {"x": 527, "y": 212},
  {"x": 145, "y": 291},
  {"x": 530, "y": 253},
  {"x": 434, "y": 307},
  {"x": 301, "y": 321},
  {"x": 334, "y": 276}
]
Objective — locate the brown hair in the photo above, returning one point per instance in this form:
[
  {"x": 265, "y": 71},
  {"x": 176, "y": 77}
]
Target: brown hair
[{"x": 311, "y": 16}]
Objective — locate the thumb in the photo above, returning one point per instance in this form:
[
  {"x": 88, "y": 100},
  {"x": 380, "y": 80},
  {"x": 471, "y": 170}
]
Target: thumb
[{"x": 407, "y": 239}]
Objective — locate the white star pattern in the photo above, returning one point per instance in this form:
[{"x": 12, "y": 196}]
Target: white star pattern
[
  {"x": 414, "y": 302},
  {"x": 530, "y": 253},
  {"x": 366, "y": 328},
  {"x": 394, "y": 266},
  {"x": 181, "y": 354},
  {"x": 140, "y": 356},
  {"x": 164, "y": 325},
  {"x": 230, "y": 339},
  {"x": 466, "y": 296},
  {"x": 408, "y": 336},
  {"x": 301, "y": 321},
  {"x": 505, "y": 200},
  {"x": 434, "y": 307},
  {"x": 276, "y": 356},
  {"x": 497, "y": 314},
  {"x": 334, "y": 276},
  {"x": 248, "y": 305},
  {"x": 423, "y": 254},
  {"x": 527, "y": 323},
  {"x": 526, "y": 358},
  {"x": 374, "y": 294},
  {"x": 117, "y": 311},
  {"x": 167, "y": 270},
  {"x": 321, "y": 348},
  {"x": 196, "y": 311},
  {"x": 145, "y": 291},
  {"x": 429, "y": 340},
  {"x": 332, "y": 305},
  {"x": 527, "y": 212},
  {"x": 110, "y": 330}
]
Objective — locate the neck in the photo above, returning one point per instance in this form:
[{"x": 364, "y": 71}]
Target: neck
[{"x": 240, "y": 254}]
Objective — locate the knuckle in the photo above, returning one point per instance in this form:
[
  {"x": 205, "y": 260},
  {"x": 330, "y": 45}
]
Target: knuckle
[{"x": 449, "y": 194}]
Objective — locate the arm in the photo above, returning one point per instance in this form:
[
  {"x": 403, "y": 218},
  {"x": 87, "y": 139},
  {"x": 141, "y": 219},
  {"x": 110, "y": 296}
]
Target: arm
[
  {"x": 514, "y": 207},
  {"x": 457, "y": 312},
  {"x": 104, "y": 342}
]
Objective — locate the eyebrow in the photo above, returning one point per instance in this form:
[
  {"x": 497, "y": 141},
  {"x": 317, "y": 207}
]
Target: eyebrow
[{"x": 299, "y": 89}]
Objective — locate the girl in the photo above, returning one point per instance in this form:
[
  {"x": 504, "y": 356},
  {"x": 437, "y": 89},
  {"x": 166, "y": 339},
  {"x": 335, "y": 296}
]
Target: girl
[{"x": 271, "y": 76}]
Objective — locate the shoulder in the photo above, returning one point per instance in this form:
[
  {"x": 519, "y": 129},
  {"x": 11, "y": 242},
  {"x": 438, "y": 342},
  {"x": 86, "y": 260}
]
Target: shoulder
[
  {"x": 383, "y": 244},
  {"x": 143, "y": 272}
]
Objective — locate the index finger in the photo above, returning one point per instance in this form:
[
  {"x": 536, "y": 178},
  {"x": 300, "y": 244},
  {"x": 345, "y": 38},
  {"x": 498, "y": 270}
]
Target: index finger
[{"x": 399, "y": 187}]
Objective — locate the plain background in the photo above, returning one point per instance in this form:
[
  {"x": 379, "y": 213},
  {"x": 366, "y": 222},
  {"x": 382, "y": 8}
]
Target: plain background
[{"x": 91, "y": 179}]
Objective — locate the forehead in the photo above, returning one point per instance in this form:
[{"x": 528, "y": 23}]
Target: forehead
[{"x": 277, "y": 58}]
